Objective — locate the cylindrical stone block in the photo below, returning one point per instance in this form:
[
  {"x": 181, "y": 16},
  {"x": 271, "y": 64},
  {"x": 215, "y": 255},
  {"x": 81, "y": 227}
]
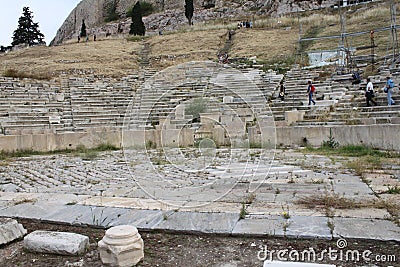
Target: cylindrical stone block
[{"x": 122, "y": 246}]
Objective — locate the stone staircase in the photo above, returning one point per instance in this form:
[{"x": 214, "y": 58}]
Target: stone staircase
[
  {"x": 67, "y": 116},
  {"x": 99, "y": 104},
  {"x": 163, "y": 93},
  {"x": 73, "y": 104},
  {"x": 144, "y": 55},
  {"x": 342, "y": 104},
  {"x": 328, "y": 93},
  {"x": 25, "y": 107},
  {"x": 79, "y": 104},
  {"x": 352, "y": 109}
]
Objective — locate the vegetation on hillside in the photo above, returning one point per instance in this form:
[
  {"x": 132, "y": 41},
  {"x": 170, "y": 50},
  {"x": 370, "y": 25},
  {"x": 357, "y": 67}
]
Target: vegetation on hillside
[
  {"x": 83, "y": 29},
  {"x": 195, "y": 107},
  {"x": 111, "y": 58},
  {"x": 189, "y": 9},
  {"x": 137, "y": 25},
  {"x": 273, "y": 42},
  {"x": 28, "y": 31},
  {"x": 80, "y": 150},
  {"x": 146, "y": 8},
  {"x": 110, "y": 9}
]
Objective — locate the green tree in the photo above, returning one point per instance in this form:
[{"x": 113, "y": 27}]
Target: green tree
[
  {"x": 189, "y": 9},
  {"x": 111, "y": 11},
  {"x": 195, "y": 107},
  {"x": 146, "y": 7},
  {"x": 137, "y": 25},
  {"x": 83, "y": 29},
  {"x": 27, "y": 31}
]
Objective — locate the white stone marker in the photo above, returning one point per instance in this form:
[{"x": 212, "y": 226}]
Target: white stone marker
[
  {"x": 62, "y": 243},
  {"x": 294, "y": 264},
  {"x": 122, "y": 246},
  {"x": 10, "y": 230}
]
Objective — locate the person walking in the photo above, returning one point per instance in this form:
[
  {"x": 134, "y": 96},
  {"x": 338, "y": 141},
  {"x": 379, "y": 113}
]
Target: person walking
[
  {"x": 389, "y": 90},
  {"x": 310, "y": 92},
  {"x": 282, "y": 90},
  {"x": 369, "y": 93}
]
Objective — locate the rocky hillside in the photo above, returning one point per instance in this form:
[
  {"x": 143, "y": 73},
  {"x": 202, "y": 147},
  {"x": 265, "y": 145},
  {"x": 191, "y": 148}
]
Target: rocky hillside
[{"x": 171, "y": 16}]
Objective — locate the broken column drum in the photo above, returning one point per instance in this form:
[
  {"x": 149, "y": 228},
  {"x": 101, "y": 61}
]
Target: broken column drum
[{"x": 121, "y": 246}]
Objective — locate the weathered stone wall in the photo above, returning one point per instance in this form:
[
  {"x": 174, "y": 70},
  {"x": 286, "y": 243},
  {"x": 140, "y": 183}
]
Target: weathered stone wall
[
  {"x": 378, "y": 136},
  {"x": 382, "y": 136},
  {"x": 51, "y": 141}
]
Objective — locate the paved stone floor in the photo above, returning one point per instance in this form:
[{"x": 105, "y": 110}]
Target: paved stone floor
[{"x": 235, "y": 191}]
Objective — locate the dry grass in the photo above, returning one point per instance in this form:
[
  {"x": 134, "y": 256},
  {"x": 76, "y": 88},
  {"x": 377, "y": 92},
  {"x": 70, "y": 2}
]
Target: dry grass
[
  {"x": 319, "y": 19},
  {"x": 176, "y": 48},
  {"x": 330, "y": 201},
  {"x": 327, "y": 201},
  {"x": 266, "y": 44},
  {"x": 108, "y": 57},
  {"x": 357, "y": 20},
  {"x": 365, "y": 164},
  {"x": 393, "y": 207},
  {"x": 272, "y": 40},
  {"x": 20, "y": 74}
]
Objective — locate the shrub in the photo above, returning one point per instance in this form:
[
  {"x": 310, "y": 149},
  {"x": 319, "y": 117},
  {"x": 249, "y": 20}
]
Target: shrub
[
  {"x": 137, "y": 26},
  {"x": 364, "y": 163},
  {"x": 393, "y": 190},
  {"x": 111, "y": 11},
  {"x": 331, "y": 143},
  {"x": 106, "y": 147},
  {"x": 20, "y": 75},
  {"x": 12, "y": 73},
  {"x": 136, "y": 38},
  {"x": 197, "y": 106},
  {"x": 243, "y": 212},
  {"x": 147, "y": 9}
]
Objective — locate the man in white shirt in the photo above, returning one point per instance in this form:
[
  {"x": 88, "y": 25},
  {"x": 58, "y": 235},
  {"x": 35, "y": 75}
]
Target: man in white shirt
[{"x": 369, "y": 93}]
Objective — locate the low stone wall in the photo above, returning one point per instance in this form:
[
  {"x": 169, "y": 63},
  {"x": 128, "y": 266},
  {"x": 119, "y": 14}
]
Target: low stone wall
[
  {"x": 378, "y": 136},
  {"x": 382, "y": 136},
  {"x": 52, "y": 141},
  {"x": 96, "y": 137}
]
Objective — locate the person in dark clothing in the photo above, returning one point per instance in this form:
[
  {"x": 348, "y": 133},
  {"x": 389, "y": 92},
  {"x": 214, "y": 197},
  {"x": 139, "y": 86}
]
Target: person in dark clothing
[
  {"x": 310, "y": 92},
  {"x": 356, "y": 77},
  {"x": 282, "y": 90}
]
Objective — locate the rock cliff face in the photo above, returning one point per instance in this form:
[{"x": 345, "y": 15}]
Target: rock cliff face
[
  {"x": 89, "y": 10},
  {"x": 171, "y": 14},
  {"x": 93, "y": 12}
]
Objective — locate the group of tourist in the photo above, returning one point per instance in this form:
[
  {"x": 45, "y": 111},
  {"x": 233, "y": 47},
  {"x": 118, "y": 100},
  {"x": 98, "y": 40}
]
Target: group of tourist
[
  {"x": 310, "y": 91},
  {"x": 245, "y": 24},
  {"x": 223, "y": 57},
  {"x": 87, "y": 38},
  {"x": 388, "y": 89},
  {"x": 369, "y": 91}
]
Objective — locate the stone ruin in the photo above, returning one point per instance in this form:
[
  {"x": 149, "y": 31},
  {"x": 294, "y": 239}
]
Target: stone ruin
[{"x": 74, "y": 111}]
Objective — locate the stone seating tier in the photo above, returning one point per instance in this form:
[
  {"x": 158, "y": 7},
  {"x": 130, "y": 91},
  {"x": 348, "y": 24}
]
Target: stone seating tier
[{"x": 95, "y": 103}]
